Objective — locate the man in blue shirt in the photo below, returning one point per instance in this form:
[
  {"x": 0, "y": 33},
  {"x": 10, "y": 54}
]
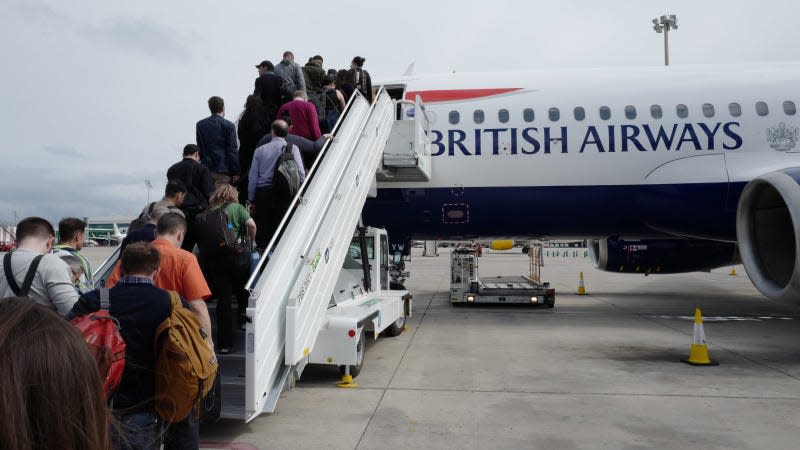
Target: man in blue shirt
[
  {"x": 216, "y": 138},
  {"x": 268, "y": 209}
]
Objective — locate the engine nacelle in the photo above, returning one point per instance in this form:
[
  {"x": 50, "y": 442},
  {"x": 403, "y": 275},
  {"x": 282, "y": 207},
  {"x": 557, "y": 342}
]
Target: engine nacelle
[
  {"x": 654, "y": 256},
  {"x": 767, "y": 228}
]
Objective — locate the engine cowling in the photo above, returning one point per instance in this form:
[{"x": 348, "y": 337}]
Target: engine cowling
[
  {"x": 660, "y": 256},
  {"x": 767, "y": 228}
]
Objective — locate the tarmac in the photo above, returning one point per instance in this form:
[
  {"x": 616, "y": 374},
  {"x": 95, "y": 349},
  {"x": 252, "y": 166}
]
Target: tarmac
[{"x": 597, "y": 371}]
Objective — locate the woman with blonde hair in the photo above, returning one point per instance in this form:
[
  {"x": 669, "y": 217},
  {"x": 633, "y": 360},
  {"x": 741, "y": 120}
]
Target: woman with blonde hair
[{"x": 223, "y": 276}]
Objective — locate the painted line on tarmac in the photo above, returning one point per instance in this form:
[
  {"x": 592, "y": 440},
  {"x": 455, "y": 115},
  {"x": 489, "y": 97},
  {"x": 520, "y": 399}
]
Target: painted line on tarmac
[{"x": 723, "y": 318}]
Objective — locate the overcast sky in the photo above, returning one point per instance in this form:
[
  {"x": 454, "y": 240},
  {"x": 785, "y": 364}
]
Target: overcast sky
[{"x": 99, "y": 96}]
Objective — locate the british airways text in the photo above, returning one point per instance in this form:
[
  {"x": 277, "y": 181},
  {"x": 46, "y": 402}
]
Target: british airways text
[{"x": 607, "y": 139}]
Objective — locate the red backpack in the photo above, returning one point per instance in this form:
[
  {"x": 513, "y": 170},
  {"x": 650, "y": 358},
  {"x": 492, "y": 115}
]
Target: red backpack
[{"x": 101, "y": 333}]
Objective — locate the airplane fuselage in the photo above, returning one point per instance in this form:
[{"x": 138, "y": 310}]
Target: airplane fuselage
[{"x": 653, "y": 152}]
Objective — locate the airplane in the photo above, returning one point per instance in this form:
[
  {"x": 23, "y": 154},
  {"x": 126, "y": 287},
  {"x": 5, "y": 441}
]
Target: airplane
[
  {"x": 663, "y": 169},
  {"x": 114, "y": 236}
]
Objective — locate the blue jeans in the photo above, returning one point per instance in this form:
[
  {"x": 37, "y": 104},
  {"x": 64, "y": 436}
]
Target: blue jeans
[
  {"x": 183, "y": 435},
  {"x": 139, "y": 431}
]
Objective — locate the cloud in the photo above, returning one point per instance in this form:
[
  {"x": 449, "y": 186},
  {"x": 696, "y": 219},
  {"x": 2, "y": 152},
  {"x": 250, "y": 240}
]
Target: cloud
[
  {"x": 142, "y": 36},
  {"x": 41, "y": 12},
  {"x": 79, "y": 192},
  {"x": 63, "y": 150}
]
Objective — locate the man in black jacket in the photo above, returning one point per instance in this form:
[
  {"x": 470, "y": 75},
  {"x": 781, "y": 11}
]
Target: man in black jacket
[
  {"x": 268, "y": 86},
  {"x": 199, "y": 187}
]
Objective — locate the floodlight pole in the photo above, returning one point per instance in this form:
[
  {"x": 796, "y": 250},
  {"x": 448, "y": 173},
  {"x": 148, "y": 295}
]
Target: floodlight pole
[
  {"x": 663, "y": 25},
  {"x": 149, "y": 186}
]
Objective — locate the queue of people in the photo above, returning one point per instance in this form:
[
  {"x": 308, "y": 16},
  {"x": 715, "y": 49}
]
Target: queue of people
[{"x": 44, "y": 285}]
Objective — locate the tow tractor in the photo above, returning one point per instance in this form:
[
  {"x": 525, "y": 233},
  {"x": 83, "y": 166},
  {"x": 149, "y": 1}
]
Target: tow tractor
[{"x": 467, "y": 287}]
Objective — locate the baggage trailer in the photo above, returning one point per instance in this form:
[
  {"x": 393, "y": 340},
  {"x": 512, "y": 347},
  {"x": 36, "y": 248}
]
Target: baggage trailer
[{"x": 467, "y": 287}]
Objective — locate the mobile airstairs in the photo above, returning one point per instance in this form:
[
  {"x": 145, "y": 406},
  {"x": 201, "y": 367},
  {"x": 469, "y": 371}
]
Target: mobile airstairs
[{"x": 306, "y": 305}]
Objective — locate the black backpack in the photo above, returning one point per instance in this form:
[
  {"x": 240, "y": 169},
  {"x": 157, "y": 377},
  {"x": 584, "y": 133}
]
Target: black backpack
[
  {"x": 318, "y": 100},
  {"x": 286, "y": 179},
  {"x": 26, "y": 284},
  {"x": 214, "y": 233}
]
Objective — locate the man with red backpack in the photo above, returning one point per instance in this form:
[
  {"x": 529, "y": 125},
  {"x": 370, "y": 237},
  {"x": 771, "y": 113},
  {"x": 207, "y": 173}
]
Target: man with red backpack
[{"x": 139, "y": 307}]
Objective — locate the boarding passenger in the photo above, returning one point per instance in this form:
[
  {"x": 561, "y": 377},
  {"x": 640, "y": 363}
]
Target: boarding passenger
[
  {"x": 50, "y": 284},
  {"x": 308, "y": 149},
  {"x": 140, "y": 307},
  {"x": 292, "y": 76},
  {"x": 75, "y": 269},
  {"x": 253, "y": 125},
  {"x": 143, "y": 228},
  {"x": 304, "y": 116},
  {"x": 179, "y": 272},
  {"x": 51, "y": 394},
  {"x": 72, "y": 233},
  {"x": 268, "y": 208},
  {"x": 334, "y": 103},
  {"x": 269, "y": 87},
  {"x": 360, "y": 78},
  {"x": 344, "y": 85},
  {"x": 314, "y": 74},
  {"x": 216, "y": 137},
  {"x": 199, "y": 187},
  {"x": 225, "y": 278},
  {"x": 332, "y": 73}
]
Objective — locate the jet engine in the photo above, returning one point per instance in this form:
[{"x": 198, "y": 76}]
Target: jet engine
[
  {"x": 767, "y": 228},
  {"x": 654, "y": 256}
]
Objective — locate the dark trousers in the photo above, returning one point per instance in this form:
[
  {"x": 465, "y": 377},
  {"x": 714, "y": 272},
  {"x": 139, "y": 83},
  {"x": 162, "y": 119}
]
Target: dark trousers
[
  {"x": 136, "y": 431},
  {"x": 225, "y": 282},
  {"x": 266, "y": 222},
  {"x": 183, "y": 435},
  {"x": 190, "y": 238}
]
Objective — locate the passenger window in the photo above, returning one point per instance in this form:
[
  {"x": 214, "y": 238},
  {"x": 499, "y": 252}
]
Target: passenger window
[
  {"x": 527, "y": 114},
  {"x": 656, "y": 112},
  {"x": 682, "y": 111},
  {"x": 454, "y": 117},
  {"x": 605, "y": 112},
  {"x": 789, "y": 108},
  {"x": 762, "y": 109},
  {"x": 708, "y": 110},
  {"x": 554, "y": 114},
  {"x": 580, "y": 113},
  {"x": 477, "y": 116},
  {"x": 735, "y": 109},
  {"x": 502, "y": 115},
  {"x": 630, "y": 112}
]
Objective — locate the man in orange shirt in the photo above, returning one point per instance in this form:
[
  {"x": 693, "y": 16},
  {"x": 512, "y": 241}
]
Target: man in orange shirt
[{"x": 181, "y": 273}]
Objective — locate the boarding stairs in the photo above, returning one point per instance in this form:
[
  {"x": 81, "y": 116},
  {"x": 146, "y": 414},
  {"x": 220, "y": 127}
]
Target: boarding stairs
[{"x": 293, "y": 284}]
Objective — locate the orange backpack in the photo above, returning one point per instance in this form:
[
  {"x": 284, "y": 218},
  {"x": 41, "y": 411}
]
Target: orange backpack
[{"x": 185, "y": 364}]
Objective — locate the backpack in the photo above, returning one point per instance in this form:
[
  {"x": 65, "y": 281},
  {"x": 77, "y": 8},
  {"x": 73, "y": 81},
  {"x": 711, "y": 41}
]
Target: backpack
[
  {"x": 318, "y": 100},
  {"x": 143, "y": 219},
  {"x": 186, "y": 366},
  {"x": 27, "y": 282},
  {"x": 214, "y": 232},
  {"x": 101, "y": 333},
  {"x": 286, "y": 178}
]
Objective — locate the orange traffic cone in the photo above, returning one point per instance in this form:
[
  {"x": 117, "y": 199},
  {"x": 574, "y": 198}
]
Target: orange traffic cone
[
  {"x": 698, "y": 356},
  {"x": 581, "y": 286}
]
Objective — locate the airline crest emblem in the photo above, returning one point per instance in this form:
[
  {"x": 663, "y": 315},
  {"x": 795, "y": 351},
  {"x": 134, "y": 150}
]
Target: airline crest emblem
[{"x": 782, "y": 138}]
